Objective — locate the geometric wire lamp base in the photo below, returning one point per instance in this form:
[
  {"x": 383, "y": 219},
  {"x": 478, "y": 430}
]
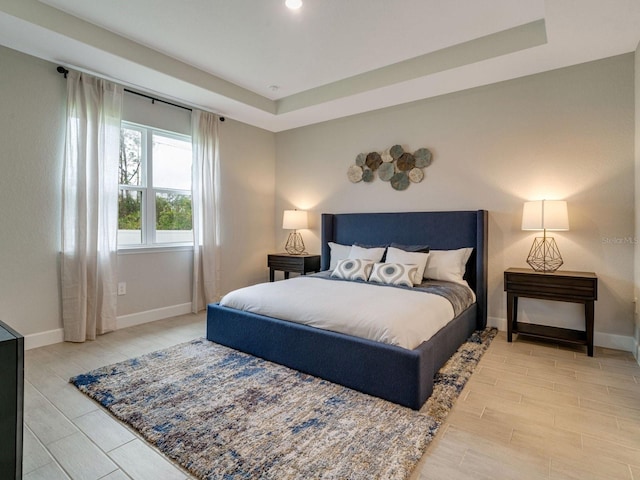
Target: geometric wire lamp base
[
  {"x": 544, "y": 255},
  {"x": 295, "y": 245}
]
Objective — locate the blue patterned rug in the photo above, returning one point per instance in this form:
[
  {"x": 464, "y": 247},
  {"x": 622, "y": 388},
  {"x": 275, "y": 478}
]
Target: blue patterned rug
[{"x": 222, "y": 414}]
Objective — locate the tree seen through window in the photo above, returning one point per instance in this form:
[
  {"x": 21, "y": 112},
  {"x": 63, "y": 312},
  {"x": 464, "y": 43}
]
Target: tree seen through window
[{"x": 155, "y": 183}]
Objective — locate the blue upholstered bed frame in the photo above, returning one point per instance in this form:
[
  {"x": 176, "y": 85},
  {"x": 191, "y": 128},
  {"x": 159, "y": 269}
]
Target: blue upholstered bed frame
[{"x": 396, "y": 374}]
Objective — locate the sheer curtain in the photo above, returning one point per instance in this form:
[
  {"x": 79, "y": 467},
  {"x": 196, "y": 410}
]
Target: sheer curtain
[
  {"x": 205, "y": 204},
  {"x": 90, "y": 207}
]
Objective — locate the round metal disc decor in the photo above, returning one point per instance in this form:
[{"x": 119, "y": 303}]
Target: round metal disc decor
[
  {"x": 396, "y": 151},
  {"x": 354, "y": 173},
  {"x": 367, "y": 175},
  {"x": 416, "y": 175},
  {"x": 423, "y": 157},
  {"x": 406, "y": 162},
  {"x": 400, "y": 181},
  {"x": 373, "y": 160},
  {"x": 386, "y": 171},
  {"x": 393, "y": 165}
]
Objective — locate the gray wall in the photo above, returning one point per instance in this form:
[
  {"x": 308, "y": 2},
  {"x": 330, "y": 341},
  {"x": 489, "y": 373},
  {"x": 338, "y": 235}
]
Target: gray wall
[
  {"x": 33, "y": 102},
  {"x": 565, "y": 134},
  {"x": 247, "y": 203}
]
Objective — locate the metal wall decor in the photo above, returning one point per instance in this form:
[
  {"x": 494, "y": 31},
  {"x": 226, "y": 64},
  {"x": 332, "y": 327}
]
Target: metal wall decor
[{"x": 394, "y": 165}]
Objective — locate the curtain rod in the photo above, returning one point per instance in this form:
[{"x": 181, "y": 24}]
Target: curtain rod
[{"x": 64, "y": 72}]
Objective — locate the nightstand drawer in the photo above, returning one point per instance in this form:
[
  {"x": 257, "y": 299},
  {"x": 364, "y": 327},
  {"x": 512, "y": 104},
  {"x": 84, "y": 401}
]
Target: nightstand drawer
[
  {"x": 288, "y": 263},
  {"x": 291, "y": 264},
  {"x": 579, "y": 286}
]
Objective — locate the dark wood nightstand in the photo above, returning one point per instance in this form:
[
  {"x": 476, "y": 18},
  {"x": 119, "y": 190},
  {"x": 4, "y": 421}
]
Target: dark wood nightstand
[
  {"x": 288, "y": 263},
  {"x": 574, "y": 287}
]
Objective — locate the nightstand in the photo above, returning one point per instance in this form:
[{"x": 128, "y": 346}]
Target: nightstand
[
  {"x": 288, "y": 263},
  {"x": 561, "y": 286}
]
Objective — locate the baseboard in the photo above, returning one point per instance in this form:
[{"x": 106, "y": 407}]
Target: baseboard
[
  {"x": 616, "y": 342},
  {"x": 497, "y": 322},
  {"x": 600, "y": 339},
  {"x": 147, "y": 316},
  {"x": 42, "y": 339}
]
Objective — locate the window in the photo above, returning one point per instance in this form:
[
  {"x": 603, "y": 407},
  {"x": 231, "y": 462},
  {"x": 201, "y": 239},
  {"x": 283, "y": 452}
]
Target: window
[{"x": 154, "y": 202}]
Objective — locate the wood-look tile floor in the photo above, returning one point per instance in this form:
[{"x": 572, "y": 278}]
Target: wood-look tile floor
[
  {"x": 68, "y": 435},
  {"x": 535, "y": 410},
  {"x": 529, "y": 411}
]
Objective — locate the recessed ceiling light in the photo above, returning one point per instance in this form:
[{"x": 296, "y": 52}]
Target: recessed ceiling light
[{"x": 293, "y": 4}]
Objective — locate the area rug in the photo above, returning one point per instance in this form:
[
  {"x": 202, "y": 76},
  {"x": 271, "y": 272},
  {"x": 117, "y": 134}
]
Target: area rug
[{"x": 223, "y": 414}]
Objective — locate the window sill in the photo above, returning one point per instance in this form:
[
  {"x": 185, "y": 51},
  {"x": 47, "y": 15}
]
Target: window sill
[{"x": 136, "y": 249}]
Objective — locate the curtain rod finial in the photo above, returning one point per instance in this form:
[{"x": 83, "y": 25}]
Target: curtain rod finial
[{"x": 63, "y": 71}]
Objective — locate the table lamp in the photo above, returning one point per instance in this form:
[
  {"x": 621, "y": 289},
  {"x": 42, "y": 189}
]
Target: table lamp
[
  {"x": 295, "y": 220},
  {"x": 544, "y": 215}
]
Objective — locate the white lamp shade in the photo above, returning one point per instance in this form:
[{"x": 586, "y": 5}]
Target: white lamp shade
[
  {"x": 545, "y": 215},
  {"x": 295, "y": 220}
]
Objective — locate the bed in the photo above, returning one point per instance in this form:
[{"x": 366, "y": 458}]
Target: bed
[{"x": 390, "y": 372}]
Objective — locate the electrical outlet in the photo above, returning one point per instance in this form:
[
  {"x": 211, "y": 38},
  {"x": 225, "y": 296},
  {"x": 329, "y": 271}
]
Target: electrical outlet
[{"x": 122, "y": 288}]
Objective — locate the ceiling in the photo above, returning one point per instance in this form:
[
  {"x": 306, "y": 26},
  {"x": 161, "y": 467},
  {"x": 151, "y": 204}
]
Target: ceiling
[{"x": 260, "y": 63}]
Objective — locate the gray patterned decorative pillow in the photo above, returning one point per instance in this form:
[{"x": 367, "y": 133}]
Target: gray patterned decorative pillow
[
  {"x": 353, "y": 269},
  {"x": 393, "y": 274}
]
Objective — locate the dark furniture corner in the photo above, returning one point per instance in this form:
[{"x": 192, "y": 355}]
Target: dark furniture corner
[
  {"x": 11, "y": 402},
  {"x": 288, "y": 263},
  {"x": 561, "y": 286}
]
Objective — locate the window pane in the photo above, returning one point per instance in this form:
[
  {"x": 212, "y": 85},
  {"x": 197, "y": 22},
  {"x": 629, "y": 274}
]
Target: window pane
[
  {"x": 173, "y": 218},
  {"x": 171, "y": 163},
  {"x": 129, "y": 170},
  {"x": 130, "y": 217}
]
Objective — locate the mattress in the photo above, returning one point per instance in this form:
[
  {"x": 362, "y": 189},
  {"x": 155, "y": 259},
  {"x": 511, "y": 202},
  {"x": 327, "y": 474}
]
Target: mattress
[{"x": 403, "y": 317}]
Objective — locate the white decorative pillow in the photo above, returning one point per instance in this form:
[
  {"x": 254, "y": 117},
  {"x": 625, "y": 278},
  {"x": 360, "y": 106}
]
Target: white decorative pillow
[
  {"x": 353, "y": 269},
  {"x": 395, "y": 255},
  {"x": 393, "y": 274},
  {"x": 375, "y": 254},
  {"x": 338, "y": 252},
  {"x": 448, "y": 265}
]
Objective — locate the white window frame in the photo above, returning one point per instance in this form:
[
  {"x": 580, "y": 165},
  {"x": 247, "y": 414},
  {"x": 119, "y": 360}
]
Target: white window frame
[{"x": 148, "y": 208}]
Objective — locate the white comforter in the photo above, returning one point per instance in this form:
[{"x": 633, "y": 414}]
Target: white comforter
[{"x": 385, "y": 314}]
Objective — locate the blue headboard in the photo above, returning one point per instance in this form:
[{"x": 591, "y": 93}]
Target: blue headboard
[{"x": 439, "y": 230}]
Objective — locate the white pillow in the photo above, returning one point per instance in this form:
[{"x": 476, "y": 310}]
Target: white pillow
[
  {"x": 338, "y": 252},
  {"x": 353, "y": 269},
  {"x": 374, "y": 254},
  {"x": 393, "y": 274},
  {"x": 395, "y": 255},
  {"x": 448, "y": 265}
]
